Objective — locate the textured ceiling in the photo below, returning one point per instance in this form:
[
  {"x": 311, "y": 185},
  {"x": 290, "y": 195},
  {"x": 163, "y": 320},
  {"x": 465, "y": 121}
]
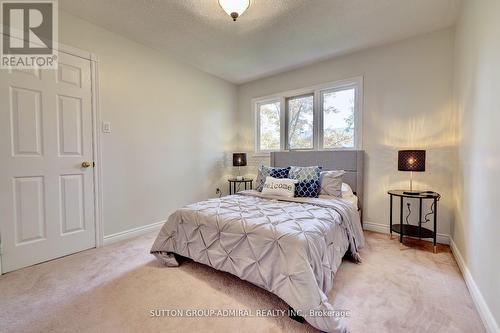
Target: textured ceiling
[{"x": 271, "y": 36}]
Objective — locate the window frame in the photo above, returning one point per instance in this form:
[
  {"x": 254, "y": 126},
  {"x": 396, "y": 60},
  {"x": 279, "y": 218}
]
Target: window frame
[
  {"x": 257, "y": 105},
  {"x": 317, "y": 91},
  {"x": 287, "y": 134},
  {"x": 321, "y": 116}
]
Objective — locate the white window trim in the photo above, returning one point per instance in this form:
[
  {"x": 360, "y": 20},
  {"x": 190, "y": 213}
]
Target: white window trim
[
  {"x": 356, "y": 82},
  {"x": 256, "y": 105},
  {"x": 315, "y": 129}
]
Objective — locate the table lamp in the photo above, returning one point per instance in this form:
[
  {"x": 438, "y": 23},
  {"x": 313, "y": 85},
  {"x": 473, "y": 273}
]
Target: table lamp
[
  {"x": 413, "y": 161},
  {"x": 239, "y": 160}
]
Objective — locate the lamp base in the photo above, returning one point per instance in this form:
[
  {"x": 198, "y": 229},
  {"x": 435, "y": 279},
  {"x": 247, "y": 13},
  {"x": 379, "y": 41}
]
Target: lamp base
[{"x": 411, "y": 192}]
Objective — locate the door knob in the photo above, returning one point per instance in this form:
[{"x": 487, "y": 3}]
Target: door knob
[{"x": 85, "y": 164}]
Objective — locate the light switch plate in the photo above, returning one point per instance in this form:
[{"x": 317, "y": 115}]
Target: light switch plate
[{"x": 106, "y": 127}]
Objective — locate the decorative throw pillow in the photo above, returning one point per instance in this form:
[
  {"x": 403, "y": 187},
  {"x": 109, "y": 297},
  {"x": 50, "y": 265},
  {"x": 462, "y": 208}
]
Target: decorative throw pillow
[
  {"x": 308, "y": 177},
  {"x": 331, "y": 183},
  {"x": 281, "y": 187},
  {"x": 346, "y": 190},
  {"x": 280, "y": 172},
  {"x": 265, "y": 171}
]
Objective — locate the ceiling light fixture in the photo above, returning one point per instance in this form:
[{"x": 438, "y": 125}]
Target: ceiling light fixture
[{"x": 234, "y": 8}]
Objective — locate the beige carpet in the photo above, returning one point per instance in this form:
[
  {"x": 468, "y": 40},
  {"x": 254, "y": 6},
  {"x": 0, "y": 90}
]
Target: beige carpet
[{"x": 113, "y": 289}]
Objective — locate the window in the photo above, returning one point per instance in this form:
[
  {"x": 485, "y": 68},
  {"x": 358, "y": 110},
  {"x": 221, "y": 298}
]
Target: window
[
  {"x": 316, "y": 118},
  {"x": 300, "y": 117},
  {"x": 337, "y": 108},
  {"x": 269, "y": 126}
]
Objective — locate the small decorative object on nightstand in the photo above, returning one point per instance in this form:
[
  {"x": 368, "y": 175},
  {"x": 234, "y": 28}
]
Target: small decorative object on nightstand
[
  {"x": 239, "y": 160},
  {"x": 235, "y": 184},
  {"x": 407, "y": 229}
]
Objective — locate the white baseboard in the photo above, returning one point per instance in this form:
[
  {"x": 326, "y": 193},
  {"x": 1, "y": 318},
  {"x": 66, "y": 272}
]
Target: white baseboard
[
  {"x": 119, "y": 236},
  {"x": 483, "y": 309},
  {"x": 384, "y": 228}
]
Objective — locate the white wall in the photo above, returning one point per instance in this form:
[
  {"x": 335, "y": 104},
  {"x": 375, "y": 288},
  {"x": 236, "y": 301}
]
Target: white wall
[
  {"x": 171, "y": 125},
  {"x": 407, "y": 104},
  {"x": 477, "y": 226}
]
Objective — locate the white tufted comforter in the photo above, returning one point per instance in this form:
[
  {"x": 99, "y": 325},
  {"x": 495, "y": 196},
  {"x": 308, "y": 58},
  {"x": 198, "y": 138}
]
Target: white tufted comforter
[{"x": 291, "y": 247}]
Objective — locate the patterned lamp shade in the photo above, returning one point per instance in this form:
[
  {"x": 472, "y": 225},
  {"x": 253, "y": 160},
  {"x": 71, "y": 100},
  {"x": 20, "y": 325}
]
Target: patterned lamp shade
[
  {"x": 239, "y": 159},
  {"x": 411, "y": 160}
]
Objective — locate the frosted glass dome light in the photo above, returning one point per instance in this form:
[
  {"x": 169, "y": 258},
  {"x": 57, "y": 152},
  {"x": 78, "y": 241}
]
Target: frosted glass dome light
[{"x": 234, "y": 8}]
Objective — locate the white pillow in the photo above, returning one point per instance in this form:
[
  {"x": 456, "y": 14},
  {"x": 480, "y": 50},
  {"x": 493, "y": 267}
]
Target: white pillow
[
  {"x": 331, "y": 183},
  {"x": 282, "y": 187},
  {"x": 346, "y": 190}
]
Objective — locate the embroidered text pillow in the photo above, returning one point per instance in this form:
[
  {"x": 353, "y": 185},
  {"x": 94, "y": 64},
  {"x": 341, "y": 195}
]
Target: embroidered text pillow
[
  {"x": 265, "y": 171},
  {"x": 282, "y": 187}
]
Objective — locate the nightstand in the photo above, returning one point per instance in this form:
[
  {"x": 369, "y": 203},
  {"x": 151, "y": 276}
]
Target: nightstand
[
  {"x": 235, "y": 184},
  {"x": 406, "y": 229}
]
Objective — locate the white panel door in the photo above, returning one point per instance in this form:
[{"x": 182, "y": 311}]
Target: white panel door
[{"x": 46, "y": 196}]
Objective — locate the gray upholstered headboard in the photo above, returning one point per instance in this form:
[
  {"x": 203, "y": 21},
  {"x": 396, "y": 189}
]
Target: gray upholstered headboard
[{"x": 351, "y": 161}]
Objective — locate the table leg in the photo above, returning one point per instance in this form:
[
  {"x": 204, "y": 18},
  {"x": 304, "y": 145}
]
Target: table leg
[
  {"x": 401, "y": 223},
  {"x": 435, "y": 223},
  {"x": 420, "y": 219},
  {"x": 390, "y": 217}
]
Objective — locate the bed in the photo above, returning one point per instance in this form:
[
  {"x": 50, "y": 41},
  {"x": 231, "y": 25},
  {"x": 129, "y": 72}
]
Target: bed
[{"x": 291, "y": 247}]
